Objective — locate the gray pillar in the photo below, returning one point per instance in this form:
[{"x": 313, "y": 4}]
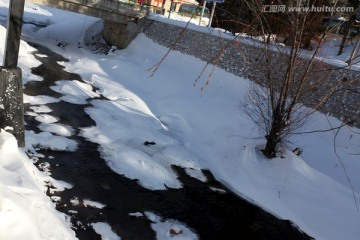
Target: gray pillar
[
  {"x": 13, "y": 34},
  {"x": 11, "y": 103},
  {"x": 11, "y": 92}
]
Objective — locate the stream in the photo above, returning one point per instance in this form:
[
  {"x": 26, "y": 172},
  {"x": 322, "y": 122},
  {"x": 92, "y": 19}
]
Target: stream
[{"x": 217, "y": 215}]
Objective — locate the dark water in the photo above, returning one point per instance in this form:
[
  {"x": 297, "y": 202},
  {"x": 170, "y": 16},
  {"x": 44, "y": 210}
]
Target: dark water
[{"x": 211, "y": 215}]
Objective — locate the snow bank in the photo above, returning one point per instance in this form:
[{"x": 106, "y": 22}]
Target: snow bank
[{"x": 25, "y": 211}]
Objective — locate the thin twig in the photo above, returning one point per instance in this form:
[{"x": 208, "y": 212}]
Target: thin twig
[{"x": 344, "y": 169}]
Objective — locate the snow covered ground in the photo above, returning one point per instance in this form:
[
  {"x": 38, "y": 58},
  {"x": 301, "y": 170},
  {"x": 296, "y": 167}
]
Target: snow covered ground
[{"x": 191, "y": 129}]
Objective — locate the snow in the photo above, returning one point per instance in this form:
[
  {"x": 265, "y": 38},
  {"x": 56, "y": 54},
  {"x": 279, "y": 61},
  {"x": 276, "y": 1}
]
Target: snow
[
  {"x": 41, "y": 109},
  {"x": 25, "y": 211},
  {"x": 58, "y": 129},
  {"x": 74, "y": 92},
  {"x": 170, "y": 229},
  {"x": 178, "y": 20},
  {"x": 93, "y": 204},
  {"x": 50, "y": 141},
  {"x": 45, "y": 118},
  {"x": 122, "y": 145},
  {"x": 39, "y": 100},
  {"x": 192, "y": 129},
  {"x": 105, "y": 231},
  {"x": 167, "y": 229}
]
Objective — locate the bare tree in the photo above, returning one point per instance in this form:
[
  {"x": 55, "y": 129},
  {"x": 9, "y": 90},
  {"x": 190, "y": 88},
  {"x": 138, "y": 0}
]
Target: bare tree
[
  {"x": 287, "y": 79},
  {"x": 347, "y": 26}
]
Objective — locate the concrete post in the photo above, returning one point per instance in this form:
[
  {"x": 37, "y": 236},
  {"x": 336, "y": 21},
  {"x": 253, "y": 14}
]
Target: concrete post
[
  {"x": 11, "y": 89},
  {"x": 13, "y": 33},
  {"x": 11, "y": 103}
]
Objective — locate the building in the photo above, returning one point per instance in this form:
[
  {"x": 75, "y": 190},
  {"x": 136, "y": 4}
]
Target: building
[{"x": 174, "y": 5}]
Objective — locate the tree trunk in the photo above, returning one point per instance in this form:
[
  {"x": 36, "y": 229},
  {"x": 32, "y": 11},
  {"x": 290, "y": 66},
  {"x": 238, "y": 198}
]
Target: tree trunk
[
  {"x": 346, "y": 32},
  {"x": 268, "y": 40},
  {"x": 274, "y": 137},
  {"x": 354, "y": 53}
]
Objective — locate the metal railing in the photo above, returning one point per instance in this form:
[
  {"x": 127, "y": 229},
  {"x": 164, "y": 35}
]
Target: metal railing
[
  {"x": 128, "y": 8},
  {"x": 120, "y": 7}
]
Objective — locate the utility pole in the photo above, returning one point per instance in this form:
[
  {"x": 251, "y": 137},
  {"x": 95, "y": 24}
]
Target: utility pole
[{"x": 11, "y": 89}]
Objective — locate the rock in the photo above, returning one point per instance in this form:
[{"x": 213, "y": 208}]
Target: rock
[
  {"x": 148, "y": 143},
  {"x": 174, "y": 231},
  {"x": 298, "y": 151}
]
